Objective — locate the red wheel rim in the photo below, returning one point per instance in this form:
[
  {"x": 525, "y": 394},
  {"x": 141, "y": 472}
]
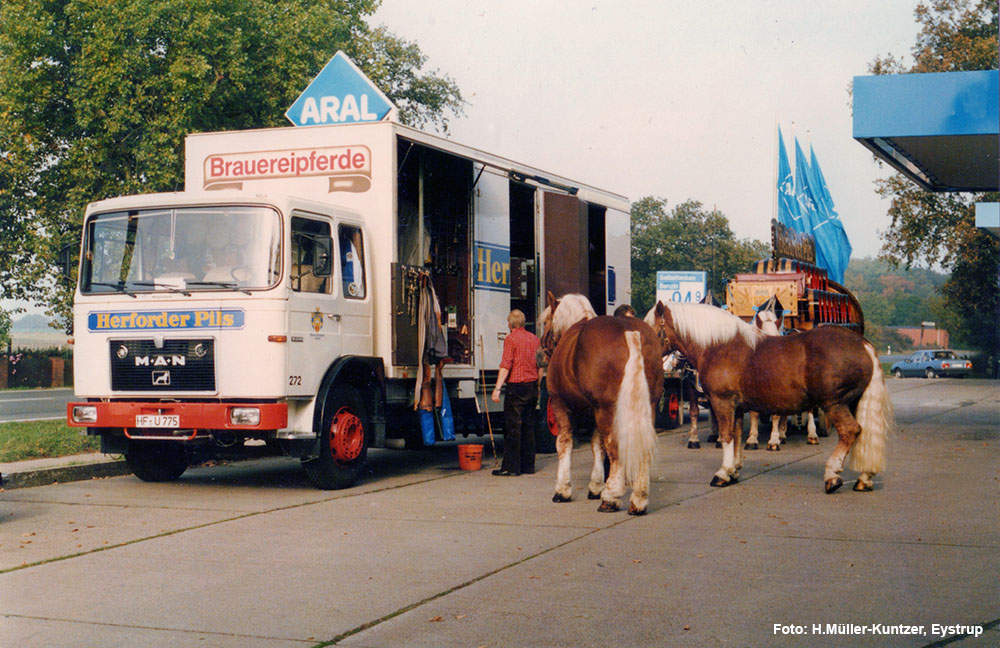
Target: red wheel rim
[
  {"x": 674, "y": 406},
  {"x": 347, "y": 435}
]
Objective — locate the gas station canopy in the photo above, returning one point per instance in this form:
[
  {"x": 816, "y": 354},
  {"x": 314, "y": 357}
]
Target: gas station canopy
[{"x": 940, "y": 130}]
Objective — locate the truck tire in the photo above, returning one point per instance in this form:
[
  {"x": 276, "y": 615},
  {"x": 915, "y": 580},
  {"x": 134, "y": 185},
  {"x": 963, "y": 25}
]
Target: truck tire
[
  {"x": 343, "y": 443},
  {"x": 156, "y": 461},
  {"x": 668, "y": 410}
]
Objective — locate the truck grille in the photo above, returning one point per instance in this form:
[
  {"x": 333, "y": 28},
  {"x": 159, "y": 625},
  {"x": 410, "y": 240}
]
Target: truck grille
[{"x": 180, "y": 365}]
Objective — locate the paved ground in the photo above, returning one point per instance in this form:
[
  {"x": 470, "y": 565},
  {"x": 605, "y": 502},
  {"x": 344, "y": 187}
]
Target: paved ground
[{"x": 422, "y": 554}]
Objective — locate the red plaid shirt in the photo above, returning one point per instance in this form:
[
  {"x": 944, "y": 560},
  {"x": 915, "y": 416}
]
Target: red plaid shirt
[{"x": 519, "y": 348}]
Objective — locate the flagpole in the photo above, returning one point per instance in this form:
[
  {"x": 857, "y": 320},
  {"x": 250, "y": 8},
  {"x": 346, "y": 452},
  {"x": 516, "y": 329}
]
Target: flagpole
[{"x": 774, "y": 183}]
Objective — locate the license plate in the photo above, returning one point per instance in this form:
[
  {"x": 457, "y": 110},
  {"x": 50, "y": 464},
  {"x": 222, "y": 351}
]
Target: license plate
[{"x": 157, "y": 420}]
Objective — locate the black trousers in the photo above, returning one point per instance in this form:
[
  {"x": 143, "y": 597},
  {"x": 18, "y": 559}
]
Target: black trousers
[{"x": 519, "y": 427}]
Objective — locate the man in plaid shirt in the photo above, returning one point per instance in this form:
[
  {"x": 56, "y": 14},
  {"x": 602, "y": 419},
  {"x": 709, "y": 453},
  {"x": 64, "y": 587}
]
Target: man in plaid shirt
[{"x": 518, "y": 369}]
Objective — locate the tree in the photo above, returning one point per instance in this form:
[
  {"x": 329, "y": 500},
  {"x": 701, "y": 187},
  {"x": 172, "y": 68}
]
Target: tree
[
  {"x": 686, "y": 238},
  {"x": 97, "y": 97},
  {"x": 5, "y": 325},
  {"x": 956, "y": 35}
]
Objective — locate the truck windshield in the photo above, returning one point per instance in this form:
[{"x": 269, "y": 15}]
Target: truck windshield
[{"x": 181, "y": 250}]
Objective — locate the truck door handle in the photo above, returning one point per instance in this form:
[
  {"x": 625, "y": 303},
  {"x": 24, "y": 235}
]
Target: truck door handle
[{"x": 334, "y": 316}]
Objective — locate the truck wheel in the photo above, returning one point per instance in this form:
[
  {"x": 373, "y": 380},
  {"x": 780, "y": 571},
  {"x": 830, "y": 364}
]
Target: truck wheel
[
  {"x": 898, "y": 373},
  {"x": 668, "y": 410},
  {"x": 154, "y": 461},
  {"x": 930, "y": 373},
  {"x": 343, "y": 443}
]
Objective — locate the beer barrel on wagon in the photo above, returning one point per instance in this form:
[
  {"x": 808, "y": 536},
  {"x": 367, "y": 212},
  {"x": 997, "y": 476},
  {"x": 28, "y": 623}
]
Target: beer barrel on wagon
[{"x": 807, "y": 296}]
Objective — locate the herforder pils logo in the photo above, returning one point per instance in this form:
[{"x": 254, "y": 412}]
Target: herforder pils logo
[
  {"x": 349, "y": 168},
  {"x": 317, "y": 320}
]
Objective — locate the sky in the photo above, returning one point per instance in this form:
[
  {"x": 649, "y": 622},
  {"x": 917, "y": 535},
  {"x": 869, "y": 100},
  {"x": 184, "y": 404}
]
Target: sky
[
  {"x": 678, "y": 99},
  {"x": 675, "y": 99}
]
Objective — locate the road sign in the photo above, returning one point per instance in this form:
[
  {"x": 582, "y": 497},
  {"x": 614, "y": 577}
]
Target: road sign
[
  {"x": 680, "y": 286},
  {"x": 340, "y": 94}
]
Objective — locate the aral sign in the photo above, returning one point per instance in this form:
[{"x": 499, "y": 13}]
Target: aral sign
[{"x": 340, "y": 94}]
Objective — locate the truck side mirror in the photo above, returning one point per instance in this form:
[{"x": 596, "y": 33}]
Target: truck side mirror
[
  {"x": 65, "y": 260},
  {"x": 322, "y": 256}
]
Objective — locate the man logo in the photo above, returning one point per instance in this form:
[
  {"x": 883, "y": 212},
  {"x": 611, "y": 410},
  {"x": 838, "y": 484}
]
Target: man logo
[{"x": 161, "y": 378}]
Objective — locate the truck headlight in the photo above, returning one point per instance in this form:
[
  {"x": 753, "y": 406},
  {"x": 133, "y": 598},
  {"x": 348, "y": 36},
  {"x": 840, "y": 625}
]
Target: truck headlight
[
  {"x": 244, "y": 416},
  {"x": 84, "y": 414}
]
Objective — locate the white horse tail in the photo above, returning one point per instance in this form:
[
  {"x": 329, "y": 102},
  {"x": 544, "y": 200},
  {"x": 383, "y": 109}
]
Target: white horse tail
[
  {"x": 876, "y": 418},
  {"x": 633, "y": 424}
]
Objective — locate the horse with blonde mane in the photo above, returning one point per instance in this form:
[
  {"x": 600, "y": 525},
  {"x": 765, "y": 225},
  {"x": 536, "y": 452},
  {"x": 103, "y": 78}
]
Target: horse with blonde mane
[
  {"x": 830, "y": 367},
  {"x": 767, "y": 321},
  {"x": 610, "y": 367}
]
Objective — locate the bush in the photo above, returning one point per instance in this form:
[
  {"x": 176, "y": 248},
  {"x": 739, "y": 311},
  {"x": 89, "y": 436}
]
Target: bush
[{"x": 34, "y": 367}]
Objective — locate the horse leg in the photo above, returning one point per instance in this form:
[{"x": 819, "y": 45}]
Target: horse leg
[
  {"x": 725, "y": 413},
  {"x": 713, "y": 437},
  {"x": 812, "y": 438},
  {"x": 752, "y": 438},
  {"x": 639, "y": 500},
  {"x": 596, "y": 484},
  {"x": 779, "y": 427},
  {"x": 564, "y": 448},
  {"x": 614, "y": 488},
  {"x": 738, "y": 436},
  {"x": 693, "y": 442},
  {"x": 847, "y": 429}
]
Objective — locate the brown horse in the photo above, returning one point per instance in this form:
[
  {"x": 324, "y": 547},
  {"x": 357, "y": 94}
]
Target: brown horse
[
  {"x": 830, "y": 367},
  {"x": 610, "y": 367}
]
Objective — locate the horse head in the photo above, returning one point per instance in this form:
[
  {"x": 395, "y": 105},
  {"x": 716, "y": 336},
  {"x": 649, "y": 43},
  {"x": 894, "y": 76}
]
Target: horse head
[
  {"x": 767, "y": 322},
  {"x": 657, "y": 318},
  {"x": 560, "y": 314}
]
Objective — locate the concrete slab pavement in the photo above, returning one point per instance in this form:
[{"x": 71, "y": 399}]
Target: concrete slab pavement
[{"x": 421, "y": 554}]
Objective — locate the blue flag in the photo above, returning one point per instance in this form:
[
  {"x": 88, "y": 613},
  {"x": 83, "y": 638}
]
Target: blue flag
[
  {"x": 833, "y": 250},
  {"x": 788, "y": 208},
  {"x": 804, "y": 193}
]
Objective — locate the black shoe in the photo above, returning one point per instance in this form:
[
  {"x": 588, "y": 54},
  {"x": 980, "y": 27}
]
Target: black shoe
[{"x": 500, "y": 472}]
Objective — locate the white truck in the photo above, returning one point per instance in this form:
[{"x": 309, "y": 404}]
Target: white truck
[{"x": 271, "y": 306}]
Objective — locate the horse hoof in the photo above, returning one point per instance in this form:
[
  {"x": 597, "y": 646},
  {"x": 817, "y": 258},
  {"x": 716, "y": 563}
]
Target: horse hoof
[
  {"x": 773, "y": 447},
  {"x": 693, "y": 445},
  {"x": 862, "y": 487},
  {"x": 751, "y": 446},
  {"x": 593, "y": 495},
  {"x": 608, "y": 507},
  {"x": 560, "y": 498},
  {"x": 812, "y": 441},
  {"x": 636, "y": 511},
  {"x": 719, "y": 482},
  {"x": 833, "y": 484},
  {"x": 718, "y": 444}
]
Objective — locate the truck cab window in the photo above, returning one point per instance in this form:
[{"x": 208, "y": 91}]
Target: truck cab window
[
  {"x": 191, "y": 248},
  {"x": 304, "y": 232},
  {"x": 352, "y": 262}
]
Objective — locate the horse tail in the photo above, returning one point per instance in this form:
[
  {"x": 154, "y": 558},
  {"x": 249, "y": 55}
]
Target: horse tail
[
  {"x": 876, "y": 418},
  {"x": 633, "y": 422}
]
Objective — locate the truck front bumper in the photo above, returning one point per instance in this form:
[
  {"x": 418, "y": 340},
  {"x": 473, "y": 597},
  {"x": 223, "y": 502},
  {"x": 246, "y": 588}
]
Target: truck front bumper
[{"x": 178, "y": 416}]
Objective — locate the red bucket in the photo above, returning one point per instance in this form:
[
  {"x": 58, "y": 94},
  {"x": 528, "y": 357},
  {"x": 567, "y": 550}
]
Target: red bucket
[{"x": 470, "y": 457}]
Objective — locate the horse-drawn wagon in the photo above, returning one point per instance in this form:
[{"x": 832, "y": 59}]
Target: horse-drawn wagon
[{"x": 806, "y": 295}]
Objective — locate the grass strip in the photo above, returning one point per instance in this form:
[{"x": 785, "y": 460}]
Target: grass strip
[{"x": 42, "y": 440}]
